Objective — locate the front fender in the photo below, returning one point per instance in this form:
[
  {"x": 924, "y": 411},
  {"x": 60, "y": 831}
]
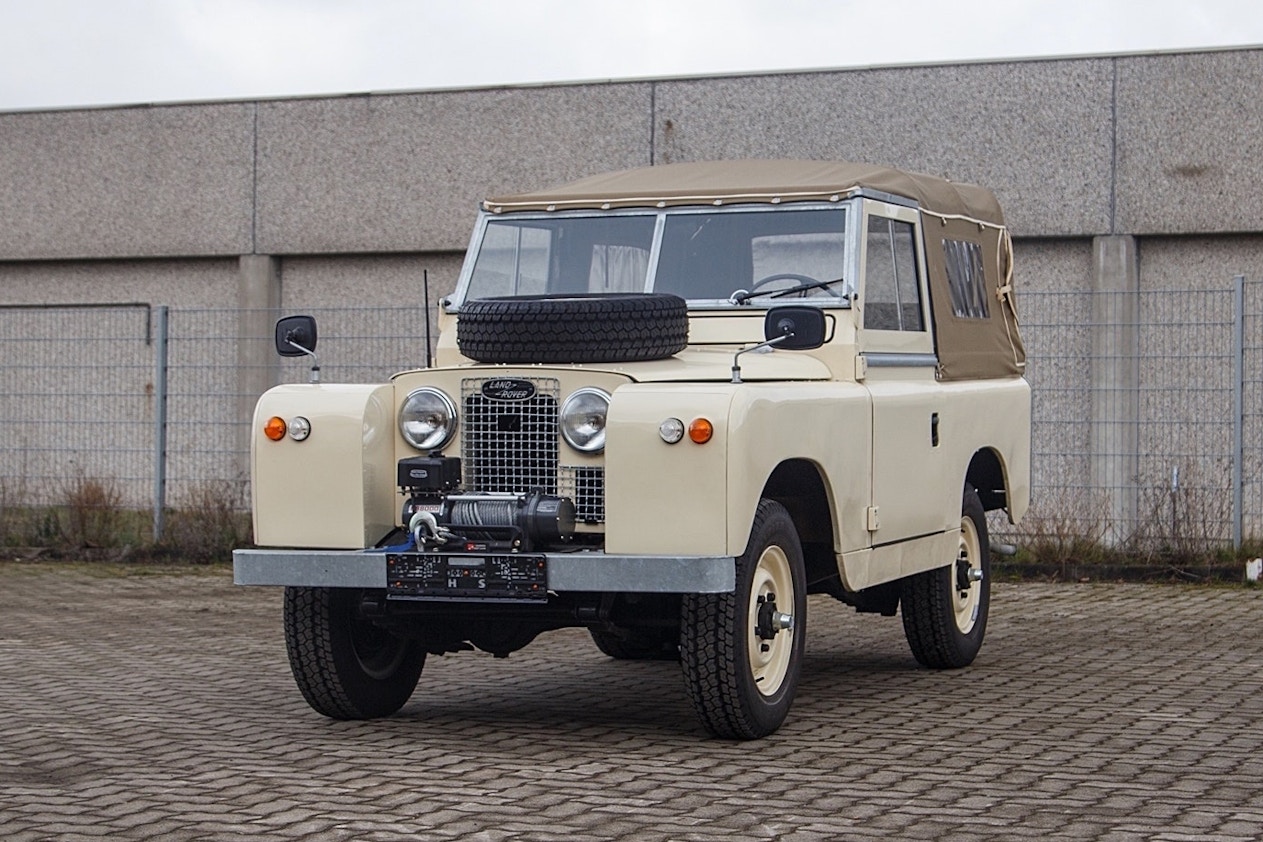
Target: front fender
[
  {"x": 688, "y": 498},
  {"x": 666, "y": 499},
  {"x": 337, "y": 488}
]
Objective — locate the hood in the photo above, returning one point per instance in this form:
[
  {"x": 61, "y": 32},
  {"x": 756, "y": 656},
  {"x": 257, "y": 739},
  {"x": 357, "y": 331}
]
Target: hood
[{"x": 715, "y": 364}]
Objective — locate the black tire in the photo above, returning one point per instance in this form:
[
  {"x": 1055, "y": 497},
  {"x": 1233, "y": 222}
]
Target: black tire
[
  {"x": 741, "y": 681},
  {"x": 580, "y": 328},
  {"x": 346, "y": 667},
  {"x": 945, "y": 610},
  {"x": 638, "y": 644}
]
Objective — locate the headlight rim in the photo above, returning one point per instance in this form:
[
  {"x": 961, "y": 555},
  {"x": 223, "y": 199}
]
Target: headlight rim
[
  {"x": 597, "y": 443},
  {"x": 448, "y": 429}
]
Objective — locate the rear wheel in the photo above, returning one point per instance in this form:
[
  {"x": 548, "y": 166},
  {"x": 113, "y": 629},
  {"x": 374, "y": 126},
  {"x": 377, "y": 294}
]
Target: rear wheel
[
  {"x": 345, "y": 666},
  {"x": 638, "y": 644},
  {"x": 742, "y": 651},
  {"x": 945, "y": 610}
]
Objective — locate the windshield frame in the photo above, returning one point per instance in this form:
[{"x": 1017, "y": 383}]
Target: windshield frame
[{"x": 849, "y": 273}]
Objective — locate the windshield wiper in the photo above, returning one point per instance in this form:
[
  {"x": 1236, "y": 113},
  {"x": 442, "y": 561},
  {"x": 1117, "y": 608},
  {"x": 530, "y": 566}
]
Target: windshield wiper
[{"x": 741, "y": 296}]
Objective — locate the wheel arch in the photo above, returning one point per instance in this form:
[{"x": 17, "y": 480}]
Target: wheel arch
[
  {"x": 799, "y": 485},
  {"x": 988, "y": 475}
]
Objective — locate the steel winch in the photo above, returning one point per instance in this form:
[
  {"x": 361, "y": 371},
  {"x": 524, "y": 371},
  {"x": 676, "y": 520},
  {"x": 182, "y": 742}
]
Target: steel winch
[{"x": 440, "y": 517}]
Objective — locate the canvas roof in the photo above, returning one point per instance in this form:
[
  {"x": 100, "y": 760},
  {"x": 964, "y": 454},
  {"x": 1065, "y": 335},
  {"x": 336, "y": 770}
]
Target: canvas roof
[{"x": 729, "y": 182}]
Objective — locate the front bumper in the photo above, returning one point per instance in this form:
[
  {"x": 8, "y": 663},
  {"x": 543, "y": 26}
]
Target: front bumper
[{"x": 579, "y": 571}]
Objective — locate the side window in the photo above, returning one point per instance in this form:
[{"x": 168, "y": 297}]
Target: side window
[
  {"x": 892, "y": 296},
  {"x": 965, "y": 279}
]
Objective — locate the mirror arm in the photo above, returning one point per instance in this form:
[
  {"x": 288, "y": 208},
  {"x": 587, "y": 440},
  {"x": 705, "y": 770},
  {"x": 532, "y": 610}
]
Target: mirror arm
[
  {"x": 315, "y": 361},
  {"x": 736, "y": 368}
]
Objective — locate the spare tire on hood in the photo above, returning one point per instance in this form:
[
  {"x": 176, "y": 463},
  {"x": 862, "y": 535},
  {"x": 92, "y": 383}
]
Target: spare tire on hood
[{"x": 573, "y": 328}]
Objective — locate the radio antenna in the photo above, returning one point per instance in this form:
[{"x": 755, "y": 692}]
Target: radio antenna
[{"x": 425, "y": 283}]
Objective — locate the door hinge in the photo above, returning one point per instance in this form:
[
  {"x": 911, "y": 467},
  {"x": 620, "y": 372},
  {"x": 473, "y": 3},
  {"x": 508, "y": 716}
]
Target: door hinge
[{"x": 871, "y": 518}]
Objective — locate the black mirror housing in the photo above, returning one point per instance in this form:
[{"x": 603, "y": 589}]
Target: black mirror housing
[
  {"x": 299, "y": 330},
  {"x": 803, "y": 328}
]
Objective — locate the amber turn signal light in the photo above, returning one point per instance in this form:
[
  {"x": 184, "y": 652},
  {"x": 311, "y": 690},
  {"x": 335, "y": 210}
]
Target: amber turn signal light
[
  {"x": 701, "y": 430},
  {"x": 274, "y": 428}
]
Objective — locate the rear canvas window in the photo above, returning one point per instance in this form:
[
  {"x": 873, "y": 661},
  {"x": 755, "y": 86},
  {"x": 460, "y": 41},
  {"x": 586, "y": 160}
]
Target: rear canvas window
[{"x": 965, "y": 279}]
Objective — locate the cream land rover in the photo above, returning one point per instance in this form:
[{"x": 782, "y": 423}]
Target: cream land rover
[{"x": 669, "y": 403}]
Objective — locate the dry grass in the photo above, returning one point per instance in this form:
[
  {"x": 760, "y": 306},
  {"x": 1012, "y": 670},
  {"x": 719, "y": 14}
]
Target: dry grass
[{"x": 210, "y": 522}]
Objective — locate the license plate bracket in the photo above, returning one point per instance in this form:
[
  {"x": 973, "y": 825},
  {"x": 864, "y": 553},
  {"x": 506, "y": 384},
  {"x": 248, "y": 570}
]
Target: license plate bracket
[{"x": 509, "y": 577}]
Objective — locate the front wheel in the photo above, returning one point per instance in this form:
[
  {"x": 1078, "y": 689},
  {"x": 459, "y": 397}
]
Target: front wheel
[
  {"x": 742, "y": 651},
  {"x": 345, "y": 666},
  {"x": 945, "y": 610}
]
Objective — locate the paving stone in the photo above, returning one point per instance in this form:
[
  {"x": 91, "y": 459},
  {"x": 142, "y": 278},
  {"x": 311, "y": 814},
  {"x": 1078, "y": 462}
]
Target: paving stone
[{"x": 162, "y": 704}]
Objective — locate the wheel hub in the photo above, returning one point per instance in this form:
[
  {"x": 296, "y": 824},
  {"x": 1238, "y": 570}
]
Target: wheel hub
[
  {"x": 968, "y": 579},
  {"x": 966, "y": 575},
  {"x": 770, "y": 652},
  {"x": 772, "y": 621}
]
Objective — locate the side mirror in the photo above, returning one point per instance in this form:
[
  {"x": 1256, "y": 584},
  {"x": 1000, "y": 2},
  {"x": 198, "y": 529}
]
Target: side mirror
[
  {"x": 294, "y": 331},
  {"x": 798, "y": 328}
]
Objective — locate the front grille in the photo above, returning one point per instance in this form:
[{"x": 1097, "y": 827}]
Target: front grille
[
  {"x": 510, "y": 445},
  {"x": 586, "y": 487}
]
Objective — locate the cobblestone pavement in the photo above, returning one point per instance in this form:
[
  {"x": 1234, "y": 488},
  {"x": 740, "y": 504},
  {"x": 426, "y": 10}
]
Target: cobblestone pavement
[{"x": 161, "y": 707}]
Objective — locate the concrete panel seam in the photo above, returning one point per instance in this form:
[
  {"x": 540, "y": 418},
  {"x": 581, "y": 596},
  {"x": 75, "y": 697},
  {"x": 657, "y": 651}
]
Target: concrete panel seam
[{"x": 1114, "y": 146}]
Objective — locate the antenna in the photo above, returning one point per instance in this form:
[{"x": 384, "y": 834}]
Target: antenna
[{"x": 425, "y": 283}]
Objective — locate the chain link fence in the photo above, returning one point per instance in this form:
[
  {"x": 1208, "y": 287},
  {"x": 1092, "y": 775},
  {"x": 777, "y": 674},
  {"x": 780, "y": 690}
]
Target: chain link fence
[
  {"x": 1147, "y": 407},
  {"x": 1146, "y": 429}
]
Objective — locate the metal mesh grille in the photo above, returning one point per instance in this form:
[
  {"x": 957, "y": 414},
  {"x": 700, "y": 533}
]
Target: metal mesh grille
[
  {"x": 586, "y": 487},
  {"x": 510, "y": 445}
]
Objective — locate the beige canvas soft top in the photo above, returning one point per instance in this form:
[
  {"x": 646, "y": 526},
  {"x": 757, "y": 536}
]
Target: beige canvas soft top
[
  {"x": 729, "y": 182},
  {"x": 968, "y": 346}
]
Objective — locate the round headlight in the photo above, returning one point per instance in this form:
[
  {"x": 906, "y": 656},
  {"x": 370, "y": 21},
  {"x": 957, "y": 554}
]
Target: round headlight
[
  {"x": 583, "y": 419},
  {"x": 427, "y": 419}
]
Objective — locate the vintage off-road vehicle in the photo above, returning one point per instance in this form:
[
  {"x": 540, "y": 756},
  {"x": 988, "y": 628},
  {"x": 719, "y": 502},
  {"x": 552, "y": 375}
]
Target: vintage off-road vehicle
[{"x": 668, "y": 404}]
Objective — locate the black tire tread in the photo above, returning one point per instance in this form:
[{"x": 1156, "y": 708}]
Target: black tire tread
[
  {"x": 593, "y": 328},
  {"x": 311, "y": 617},
  {"x": 711, "y": 652},
  {"x": 928, "y": 612}
]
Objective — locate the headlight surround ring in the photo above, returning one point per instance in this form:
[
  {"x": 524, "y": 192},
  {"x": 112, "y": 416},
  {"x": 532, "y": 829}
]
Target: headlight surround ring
[
  {"x": 427, "y": 419},
  {"x": 583, "y": 417}
]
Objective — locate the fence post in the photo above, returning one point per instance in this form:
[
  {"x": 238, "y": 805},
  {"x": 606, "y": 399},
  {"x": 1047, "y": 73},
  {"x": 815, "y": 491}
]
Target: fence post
[
  {"x": 1238, "y": 407},
  {"x": 160, "y": 423}
]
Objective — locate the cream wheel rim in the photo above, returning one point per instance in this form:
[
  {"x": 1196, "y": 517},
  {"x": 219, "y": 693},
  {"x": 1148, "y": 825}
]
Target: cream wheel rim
[
  {"x": 773, "y": 585},
  {"x": 968, "y": 571}
]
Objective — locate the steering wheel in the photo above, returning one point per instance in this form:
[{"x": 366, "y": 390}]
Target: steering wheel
[{"x": 801, "y": 280}]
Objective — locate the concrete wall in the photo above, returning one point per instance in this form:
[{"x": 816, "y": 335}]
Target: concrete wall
[
  {"x": 1159, "y": 144},
  {"x": 1117, "y": 174}
]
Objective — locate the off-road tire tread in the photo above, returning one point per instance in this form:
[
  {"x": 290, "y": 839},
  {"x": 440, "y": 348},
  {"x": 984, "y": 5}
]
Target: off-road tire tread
[
  {"x": 580, "y": 328},
  {"x": 928, "y": 612},
  {"x": 310, "y": 615},
  {"x": 711, "y": 653}
]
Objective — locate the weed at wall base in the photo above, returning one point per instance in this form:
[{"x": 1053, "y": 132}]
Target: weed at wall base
[
  {"x": 87, "y": 516},
  {"x": 211, "y": 521}
]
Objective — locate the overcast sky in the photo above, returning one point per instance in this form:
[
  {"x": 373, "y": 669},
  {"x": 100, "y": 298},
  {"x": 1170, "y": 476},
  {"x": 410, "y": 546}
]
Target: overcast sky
[{"x": 59, "y": 53}]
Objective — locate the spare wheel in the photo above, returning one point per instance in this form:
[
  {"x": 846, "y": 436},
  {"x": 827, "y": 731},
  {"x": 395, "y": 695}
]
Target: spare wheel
[{"x": 573, "y": 328}]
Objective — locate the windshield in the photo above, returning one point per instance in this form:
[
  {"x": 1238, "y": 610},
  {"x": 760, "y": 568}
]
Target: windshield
[{"x": 732, "y": 256}]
